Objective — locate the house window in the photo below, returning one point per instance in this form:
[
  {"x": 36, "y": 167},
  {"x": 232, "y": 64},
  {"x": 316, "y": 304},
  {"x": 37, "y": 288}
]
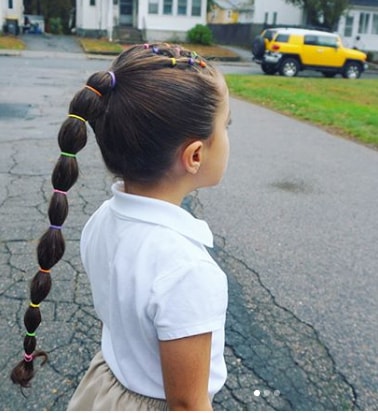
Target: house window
[
  {"x": 167, "y": 6},
  {"x": 348, "y": 30},
  {"x": 275, "y": 17},
  {"x": 10, "y": 4},
  {"x": 182, "y": 7},
  {"x": 153, "y": 7},
  {"x": 196, "y": 7},
  {"x": 374, "y": 29},
  {"x": 363, "y": 23},
  {"x": 92, "y": 2}
]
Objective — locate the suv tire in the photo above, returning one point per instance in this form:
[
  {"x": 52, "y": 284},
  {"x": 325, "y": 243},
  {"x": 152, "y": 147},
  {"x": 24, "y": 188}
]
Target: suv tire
[
  {"x": 268, "y": 69},
  {"x": 289, "y": 67},
  {"x": 258, "y": 47},
  {"x": 352, "y": 70}
]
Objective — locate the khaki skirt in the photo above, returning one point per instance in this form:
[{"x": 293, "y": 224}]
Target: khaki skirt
[{"x": 100, "y": 390}]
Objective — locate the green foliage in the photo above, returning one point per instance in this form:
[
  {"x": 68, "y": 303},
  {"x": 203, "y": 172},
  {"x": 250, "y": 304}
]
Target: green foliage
[
  {"x": 200, "y": 34},
  {"x": 325, "y": 13},
  {"x": 55, "y": 25}
]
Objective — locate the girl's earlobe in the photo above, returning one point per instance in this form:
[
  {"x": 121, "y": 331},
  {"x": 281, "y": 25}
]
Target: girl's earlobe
[{"x": 192, "y": 157}]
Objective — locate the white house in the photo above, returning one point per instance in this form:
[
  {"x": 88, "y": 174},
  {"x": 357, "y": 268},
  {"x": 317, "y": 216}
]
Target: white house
[
  {"x": 277, "y": 12},
  {"x": 158, "y": 20},
  {"x": 11, "y": 14},
  {"x": 359, "y": 27}
]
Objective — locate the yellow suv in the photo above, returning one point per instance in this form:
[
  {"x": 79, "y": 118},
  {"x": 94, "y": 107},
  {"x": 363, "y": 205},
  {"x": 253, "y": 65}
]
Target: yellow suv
[{"x": 290, "y": 50}]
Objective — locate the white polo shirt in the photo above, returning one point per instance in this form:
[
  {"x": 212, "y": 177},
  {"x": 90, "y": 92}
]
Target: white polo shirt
[{"x": 152, "y": 279}]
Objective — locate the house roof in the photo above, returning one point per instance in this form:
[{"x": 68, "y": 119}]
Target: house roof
[
  {"x": 234, "y": 4},
  {"x": 371, "y": 3},
  {"x": 224, "y": 4}
]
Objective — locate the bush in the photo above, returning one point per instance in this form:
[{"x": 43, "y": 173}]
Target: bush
[
  {"x": 200, "y": 34},
  {"x": 56, "y": 25}
]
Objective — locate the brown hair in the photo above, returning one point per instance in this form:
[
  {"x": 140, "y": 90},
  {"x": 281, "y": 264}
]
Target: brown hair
[{"x": 152, "y": 100}]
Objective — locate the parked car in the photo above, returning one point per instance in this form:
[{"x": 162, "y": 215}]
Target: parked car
[{"x": 290, "y": 50}]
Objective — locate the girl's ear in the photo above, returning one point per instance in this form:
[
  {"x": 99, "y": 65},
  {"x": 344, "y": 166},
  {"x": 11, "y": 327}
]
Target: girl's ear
[{"x": 192, "y": 156}]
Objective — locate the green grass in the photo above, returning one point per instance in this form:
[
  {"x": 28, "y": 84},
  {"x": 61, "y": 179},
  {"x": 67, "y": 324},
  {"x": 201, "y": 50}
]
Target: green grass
[
  {"x": 345, "y": 107},
  {"x": 11, "y": 43},
  {"x": 100, "y": 46}
]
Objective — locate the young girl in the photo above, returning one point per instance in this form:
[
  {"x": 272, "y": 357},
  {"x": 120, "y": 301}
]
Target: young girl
[{"x": 160, "y": 117}]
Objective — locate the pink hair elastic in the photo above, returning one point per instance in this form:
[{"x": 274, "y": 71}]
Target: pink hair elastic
[
  {"x": 28, "y": 357},
  {"x": 58, "y": 191}
]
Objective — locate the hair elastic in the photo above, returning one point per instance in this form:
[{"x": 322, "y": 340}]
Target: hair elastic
[
  {"x": 28, "y": 357},
  {"x": 45, "y": 271},
  {"x": 71, "y": 115},
  {"x": 155, "y": 49},
  {"x": 146, "y": 46},
  {"x": 55, "y": 226},
  {"x": 173, "y": 61},
  {"x": 202, "y": 63},
  {"x": 31, "y": 334},
  {"x": 93, "y": 90},
  {"x": 113, "y": 81},
  {"x": 34, "y": 305},
  {"x": 58, "y": 191},
  {"x": 191, "y": 61},
  {"x": 69, "y": 155}
]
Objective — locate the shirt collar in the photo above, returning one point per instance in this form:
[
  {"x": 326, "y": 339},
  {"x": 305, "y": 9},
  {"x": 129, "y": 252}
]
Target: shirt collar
[{"x": 156, "y": 211}]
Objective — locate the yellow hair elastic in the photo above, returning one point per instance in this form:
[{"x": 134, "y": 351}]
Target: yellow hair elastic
[
  {"x": 71, "y": 115},
  {"x": 173, "y": 61},
  {"x": 45, "y": 271},
  {"x": 34, "y": 305}
]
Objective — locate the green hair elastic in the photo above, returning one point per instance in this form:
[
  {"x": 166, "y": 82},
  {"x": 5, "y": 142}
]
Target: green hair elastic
[
  {"x": 30, "y": 334},
  {"x": 69, "y": 155}
]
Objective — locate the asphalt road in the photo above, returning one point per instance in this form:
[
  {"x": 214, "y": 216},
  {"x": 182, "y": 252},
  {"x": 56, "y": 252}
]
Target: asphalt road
[{"x": 296, "y": 232}]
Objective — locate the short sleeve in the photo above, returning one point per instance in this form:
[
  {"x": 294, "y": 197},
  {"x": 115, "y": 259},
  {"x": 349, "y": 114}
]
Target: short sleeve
[{"x": 189, "y": 301}]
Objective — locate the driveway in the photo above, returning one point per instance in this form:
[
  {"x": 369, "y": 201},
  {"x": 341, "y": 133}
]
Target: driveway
[{"x": 51, "y": 43}]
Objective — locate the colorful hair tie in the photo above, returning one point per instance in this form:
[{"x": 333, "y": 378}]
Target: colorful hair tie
[
  {"x": 45, "y": 271},
  {"x": 146, "y": 46},
  {"x": 155, "y": 49},
  {"x": 31, "y": 334},
  {"x": 93, "y": 90},
  {"x": 113, "y": 79},
  {"x": 34, "y": 305},
  {"x": 173, "y": 61},
  {"x": 202, "y": 63},
  {"x": 69, "y": 155},
  {"x": 28, "y": 357},
  {"x": 71, "y": 115},
  {"x": 58, "y": 191},
  {"x": 194, "y": 54},
  {"x": 55, "y": 226},
  {"x": 191, "y": 61}
]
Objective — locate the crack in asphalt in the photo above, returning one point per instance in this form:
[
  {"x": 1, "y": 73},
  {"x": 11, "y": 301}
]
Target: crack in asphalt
[{"x": 275, "y": 361}]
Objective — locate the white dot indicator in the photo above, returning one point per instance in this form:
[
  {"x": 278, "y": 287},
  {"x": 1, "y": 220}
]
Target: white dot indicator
[{"x": 256, "y": 393}]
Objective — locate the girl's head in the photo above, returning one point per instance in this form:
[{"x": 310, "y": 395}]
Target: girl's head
[
  {"x": 154, "y": 98},
  {"x": 154, "y": 101}
]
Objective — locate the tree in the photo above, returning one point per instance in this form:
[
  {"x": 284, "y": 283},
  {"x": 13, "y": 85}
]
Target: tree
[{"x": 324, "y": 13}]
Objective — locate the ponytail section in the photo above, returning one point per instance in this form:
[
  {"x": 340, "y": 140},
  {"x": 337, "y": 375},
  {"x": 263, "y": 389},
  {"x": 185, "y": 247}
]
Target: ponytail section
[{"x": 87, "y": 105}]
